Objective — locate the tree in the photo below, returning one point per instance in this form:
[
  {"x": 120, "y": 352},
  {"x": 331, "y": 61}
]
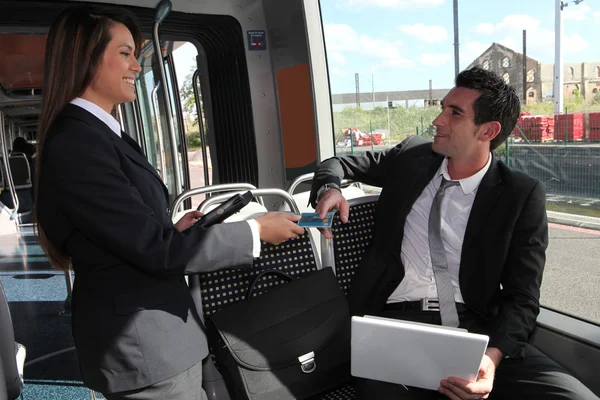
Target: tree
[{"x": 187, "y": 96}]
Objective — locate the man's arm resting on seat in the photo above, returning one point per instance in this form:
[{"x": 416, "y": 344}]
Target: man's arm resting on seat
[{"x": 370, "y": 168}]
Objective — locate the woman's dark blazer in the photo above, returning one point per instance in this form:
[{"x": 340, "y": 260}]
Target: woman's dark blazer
[{"x": 101, "y": 202}]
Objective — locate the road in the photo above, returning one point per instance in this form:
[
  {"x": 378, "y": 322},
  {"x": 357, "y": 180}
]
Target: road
[{"x": 571, "y": 281}]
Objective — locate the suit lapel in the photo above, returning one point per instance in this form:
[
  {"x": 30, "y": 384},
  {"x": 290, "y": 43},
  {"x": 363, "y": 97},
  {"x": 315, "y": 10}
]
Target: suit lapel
[
  {"x": 133, "y": 151},
  {"x": 485, "y": 200},
  {"x": 125, "y": 143}
]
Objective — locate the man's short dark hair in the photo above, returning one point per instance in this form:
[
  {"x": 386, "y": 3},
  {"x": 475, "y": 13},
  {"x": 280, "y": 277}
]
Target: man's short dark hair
[{"x": 497, "y": 101}]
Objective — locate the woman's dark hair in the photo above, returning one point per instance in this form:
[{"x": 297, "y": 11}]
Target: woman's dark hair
[
  {"x": 74, "y": 51},
  {"x": 497, "y": 101}
]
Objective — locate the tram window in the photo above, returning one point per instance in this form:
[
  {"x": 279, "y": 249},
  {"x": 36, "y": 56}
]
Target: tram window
[
  {"x": 184, "y": 57},
  {"x": 370, "y": 67}
]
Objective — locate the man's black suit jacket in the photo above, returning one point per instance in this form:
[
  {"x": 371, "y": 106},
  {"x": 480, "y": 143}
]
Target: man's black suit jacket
[
  {"x": 503, "y": 252},
  {"x": 101, "y": 202}
]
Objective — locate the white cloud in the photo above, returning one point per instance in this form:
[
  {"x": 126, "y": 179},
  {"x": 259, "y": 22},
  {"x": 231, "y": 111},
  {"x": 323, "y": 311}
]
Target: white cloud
[
  {"x": 429, "y": 34},
  {"x": 576, "y": 12},
  {"x": 343, "y": 39},
  {"x": 357, "y": 5},
  {"x": 597, "y": 17},
  {"x": 340, "y": 72},
  {"x": 518, "y": 21},
  {"x": 470, "y": 51},
  {"x": 574, "y": 43},
  {"x": 540, "y": 41},
  {"x": 434, "y": 60},
  {"x": 336, "y": 58},
  {"x": 485, "y": 29}
]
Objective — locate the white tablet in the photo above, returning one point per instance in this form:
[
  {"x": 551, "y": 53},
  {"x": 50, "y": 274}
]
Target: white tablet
[{"x": 412, "y": 353}]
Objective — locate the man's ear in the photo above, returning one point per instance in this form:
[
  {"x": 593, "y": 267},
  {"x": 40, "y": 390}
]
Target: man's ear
[{"x": 490, "y": 130}]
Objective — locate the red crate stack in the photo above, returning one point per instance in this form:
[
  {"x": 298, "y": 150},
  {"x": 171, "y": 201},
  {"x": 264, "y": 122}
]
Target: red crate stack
[
  {"x": 594, "y": 126},
  {"x": 535, "y": 128},
  {"x": 569, "y": 127}
]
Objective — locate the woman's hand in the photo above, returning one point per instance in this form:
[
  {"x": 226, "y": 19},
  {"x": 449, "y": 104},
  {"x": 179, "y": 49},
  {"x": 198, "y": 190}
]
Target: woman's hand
[
  {"x": 188, "y": 220},
  {"x": 277, "y": 227}
]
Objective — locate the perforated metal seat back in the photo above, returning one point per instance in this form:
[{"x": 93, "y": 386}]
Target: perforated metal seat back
[
  {"x": 352, "y": 239},
  {"x": 345, "y": 392},
  {"x": 225, "y": 287}
]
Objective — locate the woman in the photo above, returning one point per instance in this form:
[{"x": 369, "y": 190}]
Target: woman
[{"x": 101, "y": 208}]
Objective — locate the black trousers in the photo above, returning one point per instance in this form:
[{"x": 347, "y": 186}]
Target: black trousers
[{"x": 533, "y": 377}]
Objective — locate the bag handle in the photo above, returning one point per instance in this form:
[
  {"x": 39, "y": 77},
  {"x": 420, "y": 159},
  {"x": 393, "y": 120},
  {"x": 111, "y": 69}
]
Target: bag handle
[{"x": 281, "y": 274}]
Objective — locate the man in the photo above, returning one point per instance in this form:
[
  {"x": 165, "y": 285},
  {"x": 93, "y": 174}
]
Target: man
[{"x": 492, "y": 223}]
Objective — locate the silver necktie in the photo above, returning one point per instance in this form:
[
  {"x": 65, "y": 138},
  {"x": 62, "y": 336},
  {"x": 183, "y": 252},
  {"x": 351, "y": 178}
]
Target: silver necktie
[{"x": 438, "y": 259}]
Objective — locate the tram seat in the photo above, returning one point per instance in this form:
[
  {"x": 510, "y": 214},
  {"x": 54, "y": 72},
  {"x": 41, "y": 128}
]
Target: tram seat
[
  {"x": 301, "y": 198},
  {"x": 350, "y": 240},
  {"x": 20, "y": 170},
  {"x": 12, "y": 354},
  {"x": 220, "y": 289},
  {"x": 22, "y": 179},
  {"x": 248, "y": 212}
]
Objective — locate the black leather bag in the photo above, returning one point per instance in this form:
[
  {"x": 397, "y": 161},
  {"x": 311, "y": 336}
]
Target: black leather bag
[{"x": 289, "y": 343}]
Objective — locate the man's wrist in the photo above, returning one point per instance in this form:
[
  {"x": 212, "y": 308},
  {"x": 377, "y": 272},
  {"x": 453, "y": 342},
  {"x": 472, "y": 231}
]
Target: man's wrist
[
  {"x": 495, "y": 354},
  {"x": 325, "y": 188}
]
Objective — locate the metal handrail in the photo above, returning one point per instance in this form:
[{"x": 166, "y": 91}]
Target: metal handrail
[
  {"x": 307, "y": 177},
  {"x": 225, "y": 187},
  {"x": 161, "y": 143},
  {"x": 200, "y": 125},
  {"x": 120, "y": 115},
  {"x": 256, "y": 193},
  {"x": 139, "y": 129},
  {"x": 162, "y": 10},
  {"x": 9, "y": 179}
]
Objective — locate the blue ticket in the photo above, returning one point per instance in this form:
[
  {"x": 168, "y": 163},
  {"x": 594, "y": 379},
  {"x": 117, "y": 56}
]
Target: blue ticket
[{"x": 312, "y": 220}]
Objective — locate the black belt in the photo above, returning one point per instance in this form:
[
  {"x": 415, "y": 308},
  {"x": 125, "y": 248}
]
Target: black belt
[{"x": 421, "y": 305}]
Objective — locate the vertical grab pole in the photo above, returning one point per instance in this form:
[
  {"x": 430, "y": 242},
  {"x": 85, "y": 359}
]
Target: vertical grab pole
[
  {"x": 200, "y": 125},
  {"x": 8, "y": 173},
  {"x": 162, "y": 10}
]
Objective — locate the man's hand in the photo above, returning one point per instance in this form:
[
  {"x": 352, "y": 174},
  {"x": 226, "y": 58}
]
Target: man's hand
[
  {"x": 459, "y": 389},
  {"x": 332, "y": 200},
  {"x": 188, "y": 220}
]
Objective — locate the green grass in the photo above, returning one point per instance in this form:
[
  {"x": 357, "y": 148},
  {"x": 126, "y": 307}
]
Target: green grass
[{"x": 591, "y": 211}]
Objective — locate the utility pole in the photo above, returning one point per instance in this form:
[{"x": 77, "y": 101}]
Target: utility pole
[
  {"x": 430, "y": 94},
  {"x": 558, "y": 59},
  {"x": 456, "y": 60},
  {"x": 357, "y": 90},
  {"x": 524, "y": 67},
  {"x": 373, "y": 88},
  {"x": 387, "y": 99}
]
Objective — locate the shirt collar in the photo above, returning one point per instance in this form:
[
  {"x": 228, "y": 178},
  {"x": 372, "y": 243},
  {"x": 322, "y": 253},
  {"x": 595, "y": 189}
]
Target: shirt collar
[
  {"x": 470, "y": 184},
  {"x": 99, "y": 113}
]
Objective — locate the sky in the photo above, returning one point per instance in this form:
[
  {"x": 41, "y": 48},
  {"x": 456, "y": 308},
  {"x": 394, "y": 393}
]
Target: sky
[{"x": 402, "y": 44}]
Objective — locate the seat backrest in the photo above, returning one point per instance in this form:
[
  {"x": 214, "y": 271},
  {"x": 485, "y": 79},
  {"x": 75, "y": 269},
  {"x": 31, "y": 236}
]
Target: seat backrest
[
  {"x": 350, "y": 240},
  {"x": 222, "y": 288},
  {"x": 8, "y": 349},
  {"x": 20, "y": 170},
  {"x": 219, "y": 289}
]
